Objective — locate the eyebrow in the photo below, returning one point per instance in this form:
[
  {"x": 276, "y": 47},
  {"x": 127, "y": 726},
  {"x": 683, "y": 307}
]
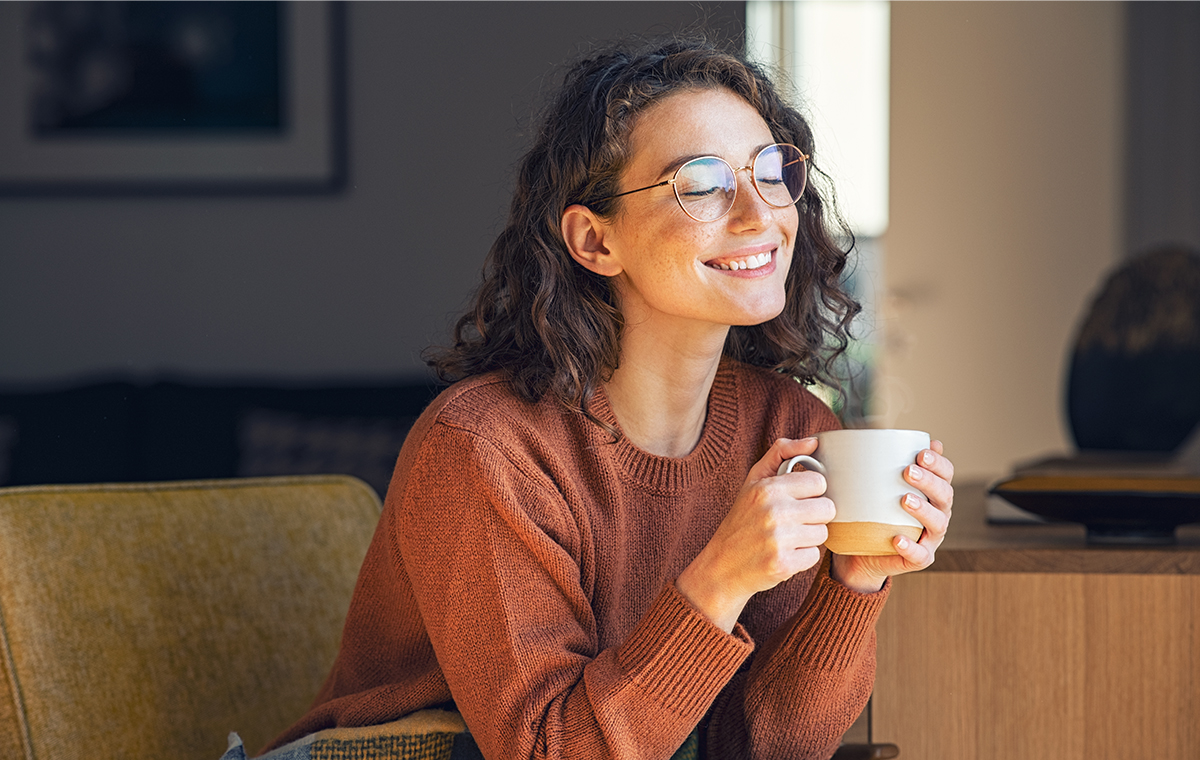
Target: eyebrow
[{"x": 673, "y": 167}]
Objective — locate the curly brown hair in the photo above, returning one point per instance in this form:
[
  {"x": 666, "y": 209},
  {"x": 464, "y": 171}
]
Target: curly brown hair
[{"x": 554, "y": 326}]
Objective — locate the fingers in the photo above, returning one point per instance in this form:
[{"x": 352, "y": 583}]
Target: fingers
[
  {"x": 768, "y": 536},
  {"x": 802, "y": 539},
  {"x": 794, "y": 546},
  {"x": 931, "y": 475},
  {"x": 806, "y": 556},
  {"x": 934, "y": 460},
  {"x": 783, "y": 564},
  {"x": 935, "y": 521},
  {"x": 917, "y": 555},
  {"x": 938, "y": 491},
  {"x": 794, "y": 498},
  {"x": 801, "y": 484},
  {"x": 815, "y": 511},
  {"x": 782, "y": 450}
]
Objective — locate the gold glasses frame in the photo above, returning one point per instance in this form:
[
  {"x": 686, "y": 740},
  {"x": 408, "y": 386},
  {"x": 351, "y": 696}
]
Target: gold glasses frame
[{"x": 673, "y": 182}]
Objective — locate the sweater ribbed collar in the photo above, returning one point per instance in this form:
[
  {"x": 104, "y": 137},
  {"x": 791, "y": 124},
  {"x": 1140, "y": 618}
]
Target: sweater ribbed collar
[{"x": 670, "y": 474}]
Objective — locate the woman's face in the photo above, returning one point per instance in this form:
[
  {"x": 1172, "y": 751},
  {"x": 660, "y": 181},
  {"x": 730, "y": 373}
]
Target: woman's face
[{"x": 675, "y": 270}]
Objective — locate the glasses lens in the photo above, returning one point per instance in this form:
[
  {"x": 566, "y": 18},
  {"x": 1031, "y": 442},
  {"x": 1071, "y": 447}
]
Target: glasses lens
[
  {"x": 779, "y": 174},
  {"x": 705, "y": 188}
]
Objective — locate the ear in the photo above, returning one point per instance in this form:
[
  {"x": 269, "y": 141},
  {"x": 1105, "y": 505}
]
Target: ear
[{"x": 584, "y": 233}]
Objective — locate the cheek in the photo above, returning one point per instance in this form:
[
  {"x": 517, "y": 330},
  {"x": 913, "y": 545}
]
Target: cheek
[
  {"x": 676, "y": 228},
  {"x": 791, "y": 221},
  {"x": 672, "y": 247},
  {"x": 789, "y": 261},
  {"x": 792, "y": 224}
]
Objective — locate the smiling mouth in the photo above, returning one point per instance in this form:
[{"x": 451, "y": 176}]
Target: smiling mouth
[{"x": 750, "y": 262}]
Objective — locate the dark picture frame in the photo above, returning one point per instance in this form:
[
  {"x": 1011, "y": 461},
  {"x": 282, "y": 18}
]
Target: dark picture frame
[{"x": 299, "y": 147}]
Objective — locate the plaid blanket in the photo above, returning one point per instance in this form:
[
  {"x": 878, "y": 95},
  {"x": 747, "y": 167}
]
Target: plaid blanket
[{"x": 424, "y": 735}]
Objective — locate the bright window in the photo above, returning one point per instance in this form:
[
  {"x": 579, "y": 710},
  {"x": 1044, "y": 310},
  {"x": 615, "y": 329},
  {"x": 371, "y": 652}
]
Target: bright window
[{"x": 836, "y": 55}]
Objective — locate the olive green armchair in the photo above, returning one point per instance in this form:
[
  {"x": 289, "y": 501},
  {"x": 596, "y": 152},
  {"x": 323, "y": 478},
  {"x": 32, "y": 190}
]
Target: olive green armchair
[{"x": 150, "y": 620}]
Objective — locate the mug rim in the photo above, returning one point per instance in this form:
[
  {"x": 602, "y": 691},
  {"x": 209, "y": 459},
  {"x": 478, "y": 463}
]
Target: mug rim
[{"x": 871, "y": 430}]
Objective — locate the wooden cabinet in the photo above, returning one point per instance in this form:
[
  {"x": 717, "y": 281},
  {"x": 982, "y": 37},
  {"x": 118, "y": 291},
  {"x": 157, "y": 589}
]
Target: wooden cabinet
[{"x": 1024, "y": 642}]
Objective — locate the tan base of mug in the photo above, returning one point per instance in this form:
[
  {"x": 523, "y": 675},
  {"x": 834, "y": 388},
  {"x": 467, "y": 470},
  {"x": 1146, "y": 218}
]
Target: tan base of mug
[{"x": 867, "y": 538}]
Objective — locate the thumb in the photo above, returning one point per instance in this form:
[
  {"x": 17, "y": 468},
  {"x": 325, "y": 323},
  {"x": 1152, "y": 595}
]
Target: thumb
[{"x": 782, "y": 450}]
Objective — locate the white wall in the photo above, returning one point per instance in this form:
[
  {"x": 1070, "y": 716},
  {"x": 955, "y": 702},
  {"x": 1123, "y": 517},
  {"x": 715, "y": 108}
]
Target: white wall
[
  {"x": 1006, "y": 211},
  {"x": 348, "y": 285}
]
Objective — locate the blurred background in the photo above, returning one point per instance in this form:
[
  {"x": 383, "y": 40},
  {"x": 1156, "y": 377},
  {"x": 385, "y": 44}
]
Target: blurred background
[{"x": 315, "y": 218}]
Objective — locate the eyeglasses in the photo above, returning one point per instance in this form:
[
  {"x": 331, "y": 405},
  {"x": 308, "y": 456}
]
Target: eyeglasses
[{"x": 707, "y": 186}]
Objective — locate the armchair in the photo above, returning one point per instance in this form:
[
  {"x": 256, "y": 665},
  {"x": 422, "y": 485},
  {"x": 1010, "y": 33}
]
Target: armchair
[{"x": 148, "y": 620}]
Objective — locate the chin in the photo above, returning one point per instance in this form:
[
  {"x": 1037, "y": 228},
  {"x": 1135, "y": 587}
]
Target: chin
[{"x": 762, "y": 314}]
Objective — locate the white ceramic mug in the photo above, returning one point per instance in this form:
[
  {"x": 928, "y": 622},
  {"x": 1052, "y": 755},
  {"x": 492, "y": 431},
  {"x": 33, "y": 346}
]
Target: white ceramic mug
[{"x": 864, "y": 476}]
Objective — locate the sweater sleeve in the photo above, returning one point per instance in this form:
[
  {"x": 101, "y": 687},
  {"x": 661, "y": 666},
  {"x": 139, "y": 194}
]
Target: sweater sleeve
[
  {"x": 488, "y": 547},
  {"x": 807, "y": 683}
]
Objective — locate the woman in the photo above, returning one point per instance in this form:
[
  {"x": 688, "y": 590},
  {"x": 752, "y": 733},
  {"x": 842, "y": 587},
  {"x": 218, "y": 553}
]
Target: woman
[{"x": 585, "y": 547}]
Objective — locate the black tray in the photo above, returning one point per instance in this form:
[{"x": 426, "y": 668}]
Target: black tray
[{"x": 1115, "y": 510}]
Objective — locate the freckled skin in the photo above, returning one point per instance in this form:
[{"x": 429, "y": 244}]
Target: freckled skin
[{"x": 662, "y": 252}]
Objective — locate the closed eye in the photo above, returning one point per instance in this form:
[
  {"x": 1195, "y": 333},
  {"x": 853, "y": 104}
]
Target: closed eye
[{"x": 702, "y": 193}]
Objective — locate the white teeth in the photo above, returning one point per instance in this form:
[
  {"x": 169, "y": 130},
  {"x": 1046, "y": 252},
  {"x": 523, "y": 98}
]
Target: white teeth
[{"x": 753, "y": 262}]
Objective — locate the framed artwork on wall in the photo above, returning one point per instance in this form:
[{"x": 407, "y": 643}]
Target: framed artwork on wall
[{"x": 170, "y": 97}]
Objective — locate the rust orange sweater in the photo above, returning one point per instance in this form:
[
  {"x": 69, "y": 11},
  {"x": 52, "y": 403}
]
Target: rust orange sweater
[{"x": 523, "y": 569}]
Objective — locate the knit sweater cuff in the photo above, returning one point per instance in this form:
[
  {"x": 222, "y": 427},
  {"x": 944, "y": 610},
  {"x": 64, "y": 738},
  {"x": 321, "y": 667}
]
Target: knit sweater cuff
[
  {"x": 679, "y": 655},
  {"x": 835, "y": 622}
]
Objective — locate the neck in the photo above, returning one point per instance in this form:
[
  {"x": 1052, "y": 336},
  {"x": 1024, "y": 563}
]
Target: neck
[{"x": 659, "y": 394}]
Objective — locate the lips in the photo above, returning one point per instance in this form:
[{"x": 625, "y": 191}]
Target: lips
[{"x": 745, "y": 262}]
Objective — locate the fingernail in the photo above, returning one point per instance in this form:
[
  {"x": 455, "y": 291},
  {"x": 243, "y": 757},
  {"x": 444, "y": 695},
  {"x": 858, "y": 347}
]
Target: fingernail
[
  {"x": 914, "y": 472},
  {"x": 927, "y": 457},
  {"x": 810, "y": 439},
  {"x": 910, "y": 501},
  {"x": 902, "y": 543}
]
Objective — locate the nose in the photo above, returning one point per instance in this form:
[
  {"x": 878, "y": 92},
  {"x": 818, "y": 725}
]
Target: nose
[{"x": 749, "y": 210}]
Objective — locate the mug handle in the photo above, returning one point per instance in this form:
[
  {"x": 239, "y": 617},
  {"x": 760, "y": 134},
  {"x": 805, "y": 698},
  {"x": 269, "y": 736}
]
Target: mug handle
[{"x": 808, "y": 462}]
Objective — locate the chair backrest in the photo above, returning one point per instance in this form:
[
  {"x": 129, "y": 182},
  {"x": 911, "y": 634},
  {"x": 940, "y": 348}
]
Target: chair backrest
[{"x": 150, "y": 620}]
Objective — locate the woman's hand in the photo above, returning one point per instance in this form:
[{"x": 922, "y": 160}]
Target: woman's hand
[
  {"x": 931, "y": 474},
  {"x": 773, "y": 531}
]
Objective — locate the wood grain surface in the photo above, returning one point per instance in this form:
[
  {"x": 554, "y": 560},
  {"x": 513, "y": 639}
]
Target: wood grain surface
[{"x": 976, "y": 665}]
